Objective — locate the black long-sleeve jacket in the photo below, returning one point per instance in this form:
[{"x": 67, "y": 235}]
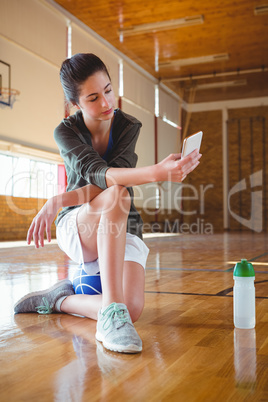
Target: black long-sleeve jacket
[{"x": 85, "y": 166}]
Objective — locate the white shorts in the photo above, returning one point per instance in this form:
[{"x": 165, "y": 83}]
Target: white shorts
[{"x": 69, "y": 242}]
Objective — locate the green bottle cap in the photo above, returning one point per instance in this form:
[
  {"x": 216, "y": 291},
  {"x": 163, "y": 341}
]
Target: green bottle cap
[{"x": 244, "y": 269}]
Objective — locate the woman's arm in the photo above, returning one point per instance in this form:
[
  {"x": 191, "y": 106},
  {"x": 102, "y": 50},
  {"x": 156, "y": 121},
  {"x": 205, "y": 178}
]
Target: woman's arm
[
  {"x": 172, "y": 168},
  {"x": 43, "y": 220}
]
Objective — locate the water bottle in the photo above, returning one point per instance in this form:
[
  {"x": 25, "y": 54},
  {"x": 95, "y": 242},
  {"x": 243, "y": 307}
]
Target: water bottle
[{"x": 244, "y": 295}]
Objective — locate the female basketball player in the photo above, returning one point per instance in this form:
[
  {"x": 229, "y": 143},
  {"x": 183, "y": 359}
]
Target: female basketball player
[{"x": 99, "y": 226}]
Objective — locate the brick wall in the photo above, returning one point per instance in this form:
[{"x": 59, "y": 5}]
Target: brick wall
[
  {"x": 205, "y": 192},
  {"x": 16, "y": 215},
  {"x": 247, "y": 155},
  {"x": 202, "y": 205}
]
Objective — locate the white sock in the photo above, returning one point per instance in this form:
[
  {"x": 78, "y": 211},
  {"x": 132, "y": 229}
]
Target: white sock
[{"x": 58, "y": 303}]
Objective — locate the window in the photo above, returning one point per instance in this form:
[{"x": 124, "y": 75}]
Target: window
[{"x": 24, "y": 177}]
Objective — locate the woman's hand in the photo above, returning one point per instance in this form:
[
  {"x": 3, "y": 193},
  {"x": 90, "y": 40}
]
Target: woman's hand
[
  {"x": 42, "y": 223},
  {"x": 175, "y": 169},
  {"x": 45, "y": 217}
]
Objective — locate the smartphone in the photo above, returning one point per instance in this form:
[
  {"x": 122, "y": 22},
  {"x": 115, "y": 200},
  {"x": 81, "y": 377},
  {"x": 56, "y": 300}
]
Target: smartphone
[{"x": 191, "y": 143}]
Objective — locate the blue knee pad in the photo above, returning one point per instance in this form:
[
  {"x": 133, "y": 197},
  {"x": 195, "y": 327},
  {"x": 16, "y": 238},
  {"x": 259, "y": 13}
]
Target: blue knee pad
[{"x": 88, "y": 284}]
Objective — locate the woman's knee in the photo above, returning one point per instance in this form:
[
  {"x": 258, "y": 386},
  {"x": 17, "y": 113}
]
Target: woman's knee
[{"x": 117, "y": 197}]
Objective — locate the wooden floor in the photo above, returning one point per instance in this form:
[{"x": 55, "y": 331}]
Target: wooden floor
[{"x": 191, "y": 351}]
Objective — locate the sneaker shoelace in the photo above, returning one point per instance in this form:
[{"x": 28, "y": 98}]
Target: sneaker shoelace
[
  {"x": 114, "y": 311},
  {"x": 45, "y": 308}
]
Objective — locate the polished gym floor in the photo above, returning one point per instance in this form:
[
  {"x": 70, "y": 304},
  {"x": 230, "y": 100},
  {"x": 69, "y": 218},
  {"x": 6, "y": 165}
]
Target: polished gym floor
[{"x": 191, "y": 351}]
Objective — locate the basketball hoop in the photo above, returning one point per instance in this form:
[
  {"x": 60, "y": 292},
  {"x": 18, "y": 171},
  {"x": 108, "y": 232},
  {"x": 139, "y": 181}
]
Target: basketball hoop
[{"x": 8, "y": 96}]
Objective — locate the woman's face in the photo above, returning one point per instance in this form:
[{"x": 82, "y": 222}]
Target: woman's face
[{"x": 96, "y": 99}]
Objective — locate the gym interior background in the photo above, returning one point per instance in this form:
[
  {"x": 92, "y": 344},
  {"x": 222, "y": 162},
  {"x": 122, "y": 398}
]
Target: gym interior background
[
  {"x": 229, "y": 104},
  {"x": 204, "y": 67}
]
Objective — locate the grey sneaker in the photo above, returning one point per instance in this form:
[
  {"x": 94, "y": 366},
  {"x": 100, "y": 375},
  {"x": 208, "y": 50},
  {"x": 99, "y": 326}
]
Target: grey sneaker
[
  {"x": 43, "y": 302},
  {"x": 116, "y": 331}
]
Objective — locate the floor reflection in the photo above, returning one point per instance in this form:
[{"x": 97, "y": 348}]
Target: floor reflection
[
  {"x": 245, "y": 357},
  {"x": 80, "y": 363},
  {"x": 190, "y": 349}
]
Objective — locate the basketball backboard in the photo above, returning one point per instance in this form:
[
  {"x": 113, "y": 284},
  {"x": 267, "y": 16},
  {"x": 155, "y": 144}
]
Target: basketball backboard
[{"x": 7, "y": 94}]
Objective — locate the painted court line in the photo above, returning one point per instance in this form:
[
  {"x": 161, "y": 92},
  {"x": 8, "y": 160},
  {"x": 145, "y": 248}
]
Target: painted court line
[
  {"x": 184, "y": 269},
  {"x": 198, "y": 270},
  {"x": 223, "y": 293},
  {"x": 251, "y": 260}
]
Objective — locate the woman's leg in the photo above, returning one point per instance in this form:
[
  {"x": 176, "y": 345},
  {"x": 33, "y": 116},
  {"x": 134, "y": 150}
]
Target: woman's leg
[
  {"x": 133, "y": 283},
  {"x": 105, "y": 222},
  {"x": 102, "y": 230},
  {"x": 85, "y": 305},
  {"x": 133, "y": 289}
]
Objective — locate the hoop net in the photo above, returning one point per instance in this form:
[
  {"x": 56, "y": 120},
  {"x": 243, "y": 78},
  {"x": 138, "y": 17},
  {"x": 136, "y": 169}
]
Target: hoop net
[{"x": 8, "y": 96}]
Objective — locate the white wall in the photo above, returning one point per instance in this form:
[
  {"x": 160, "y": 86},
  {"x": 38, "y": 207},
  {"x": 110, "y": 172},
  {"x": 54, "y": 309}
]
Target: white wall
[
  {"x": 35, "y": 27},
  {"x": 39, "y": 107},
  {"x": 145, "y": 194},
  {"x": 33, "y": 42},
  {"x": 168, "y": 140}
]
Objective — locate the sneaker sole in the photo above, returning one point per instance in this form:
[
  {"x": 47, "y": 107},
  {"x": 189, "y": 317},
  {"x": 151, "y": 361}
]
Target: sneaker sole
[
  {"x": 117, "y": 348},
  {"x": 43, "y": 292}
]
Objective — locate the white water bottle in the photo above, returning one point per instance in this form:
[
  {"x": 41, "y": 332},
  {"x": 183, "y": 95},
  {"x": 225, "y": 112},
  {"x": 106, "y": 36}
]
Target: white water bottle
[{"x": 244, "y": 295}]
